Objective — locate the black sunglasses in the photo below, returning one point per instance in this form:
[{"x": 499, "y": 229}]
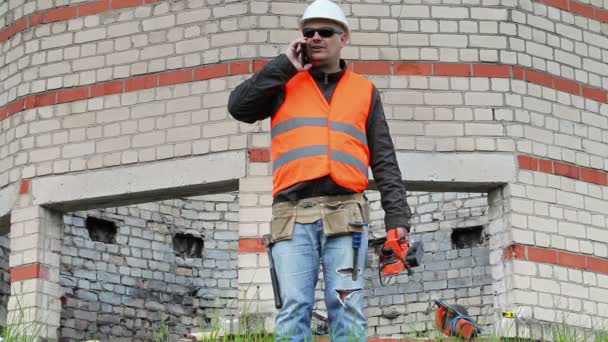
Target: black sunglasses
[{"x": 324, "y": 32}]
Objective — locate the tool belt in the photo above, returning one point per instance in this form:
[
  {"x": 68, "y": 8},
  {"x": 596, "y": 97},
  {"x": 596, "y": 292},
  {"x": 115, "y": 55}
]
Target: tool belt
[{"x": 336, "y": 212}]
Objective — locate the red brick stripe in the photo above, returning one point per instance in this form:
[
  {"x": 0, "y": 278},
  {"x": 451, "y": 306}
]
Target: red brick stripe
[
  {"x": 67, "y": 12},
  {"x": 244, "y": 67},
  {"x": 24, "y": 187},
  {"x": 557, "y": 257},
  {"x": 31, "y": 271},
  {"x": 560, "y": 168},
  {"x": 251, "y": 245},
  {"x": 579, "y": 8},
  {"x": 259, "y": 155}
]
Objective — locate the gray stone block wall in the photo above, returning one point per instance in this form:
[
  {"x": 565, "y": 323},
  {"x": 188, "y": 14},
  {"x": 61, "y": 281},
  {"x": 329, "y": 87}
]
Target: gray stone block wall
[
  {"x": 122, "y": 291},
  {"x": 5, "y": 279},
  {"x": 457, "y": 276}
]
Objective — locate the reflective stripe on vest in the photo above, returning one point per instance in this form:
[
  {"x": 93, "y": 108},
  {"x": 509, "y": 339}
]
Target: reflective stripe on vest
[
  {"x": 322, "y": 122},
  {"x": 312, "y": 139},
  {"x": 318, "y": 150}
]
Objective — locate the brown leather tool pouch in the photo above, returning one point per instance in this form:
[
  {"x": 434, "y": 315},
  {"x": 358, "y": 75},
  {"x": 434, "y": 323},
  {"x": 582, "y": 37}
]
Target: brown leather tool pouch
[
  {"x": 336, "y": 212},
  {"x": 340, "y": 213},
  {"x": 283, "y": 220}
]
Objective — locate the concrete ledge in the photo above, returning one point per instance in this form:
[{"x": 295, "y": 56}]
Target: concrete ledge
[
  {"x": 474, "y": 172},
  {"x": 212, "y": 173}
]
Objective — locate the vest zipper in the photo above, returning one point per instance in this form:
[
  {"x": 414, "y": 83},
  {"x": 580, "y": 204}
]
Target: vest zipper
[{"x": 325, "y": 80}]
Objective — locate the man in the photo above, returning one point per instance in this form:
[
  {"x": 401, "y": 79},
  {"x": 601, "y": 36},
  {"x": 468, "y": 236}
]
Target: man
[{"x": 328, "y": 127}]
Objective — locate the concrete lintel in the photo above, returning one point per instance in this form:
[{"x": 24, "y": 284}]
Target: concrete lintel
[
  {"x": 474, "y": 172},
  {"x": 210, "y": 173}
]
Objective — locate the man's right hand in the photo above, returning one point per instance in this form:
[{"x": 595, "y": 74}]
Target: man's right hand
[{"x": 293, "y": 54}]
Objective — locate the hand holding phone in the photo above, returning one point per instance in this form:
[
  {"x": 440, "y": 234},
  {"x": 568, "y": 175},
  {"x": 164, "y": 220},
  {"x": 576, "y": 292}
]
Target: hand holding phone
[
  {"x": 297, "y": 54},
  {"x": 303, "y": 55}
]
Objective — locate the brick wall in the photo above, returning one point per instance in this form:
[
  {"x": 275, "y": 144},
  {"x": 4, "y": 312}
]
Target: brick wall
[
  {"x": 107, "y": 85},
  {"x": 456, "y": 275},
  {"x": 122, "y": 291}
]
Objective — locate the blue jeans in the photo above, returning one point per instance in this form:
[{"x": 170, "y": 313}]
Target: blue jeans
[{"x": 297, "y": 264}]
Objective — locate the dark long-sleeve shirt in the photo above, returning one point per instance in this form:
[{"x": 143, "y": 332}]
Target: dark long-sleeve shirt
[{"x": 260, "y": 96}]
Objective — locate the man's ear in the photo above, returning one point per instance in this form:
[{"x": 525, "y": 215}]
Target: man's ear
[{"x": 344, "y": 39}]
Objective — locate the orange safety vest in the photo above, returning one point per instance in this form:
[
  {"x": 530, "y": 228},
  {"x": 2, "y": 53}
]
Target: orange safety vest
[{"x": 312, "y": 138}]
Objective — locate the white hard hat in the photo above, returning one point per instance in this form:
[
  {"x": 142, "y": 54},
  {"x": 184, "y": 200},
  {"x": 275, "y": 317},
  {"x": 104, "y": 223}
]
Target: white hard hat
[{"x": 324, "y": 9}]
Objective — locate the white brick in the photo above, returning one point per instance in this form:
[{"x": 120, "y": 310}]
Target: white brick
[
  {"x": 55, "y": 69},
  {"x": 566, "y": 112},
  {"x": 44, "y": 154},
  {"x": 597, "y": 67},
  {"x": 568, "y": 58},
  {"x": 148, "y": 109},
  {"x": 600, "y": 149},
  {"x": 157, "y": 51},
  {"x": 114, "y": 144},
  {"x": 595, "y": 39},
  {"x": 484, "y": 129},
  {"x": 359, "y": 38},
  {"x": 94, "y": 62},
  {"x": 183, "y": 133},
  {"x": 187, "y": 46},
  {"x": 601, "y": 295},
  {"x": 123, "y": 29},
  {"x": 158, "y": 23},
  {"x": 537, "y": 134},
  {"x": 412, "y": 11},
  {"x": 380, "y": 10},
  {"x": 444, "y": 129},
  {"x": 483, "y": 99},
  {"x": 193, "y": 16},
  {"x": 524, "y": 267},
  {"x": 230, "y": 10},
  {"x": 597, "y": 234},
  {"x": 571, "y": 229},
  {"x": 543, "y": 224},
  {"x": 220, "y": 129},
  {"x": 123, "y": 57},
  {"x": 450, "y": 40},
  {"x": 573, "y": 290},
  {"x": 443, "y": 98},
  {"x": 77, "y": 150},
  {"x": 90, "y": 35},
  {"x": 56, "y": 41},
  {"x": 525, "y": 297},
  {"x": 545, "y": 285},
  {"x": 449, "y": 12},
  {"x": 232, "y": 38},
  {"x": 541, "y": 22},
  {"x": 112, "y": 115},
  {"x": 44, "y": 126},
  {"x": 488, "y": 42}
]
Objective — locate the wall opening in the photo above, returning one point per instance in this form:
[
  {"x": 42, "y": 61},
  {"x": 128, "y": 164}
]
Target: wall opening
[
  {"x": 458, "y": 276},
  {"x": 173, "y": 261},
  {"x": 5, "y": 280},
  {"x": 188, "y": 246},
  {"x": 467, "y": 237},
  {"x": 101, "y": 230}
]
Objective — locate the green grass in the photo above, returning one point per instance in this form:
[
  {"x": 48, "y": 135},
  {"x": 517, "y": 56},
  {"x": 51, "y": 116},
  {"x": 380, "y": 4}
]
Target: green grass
[{"x": 21, "y": 329}]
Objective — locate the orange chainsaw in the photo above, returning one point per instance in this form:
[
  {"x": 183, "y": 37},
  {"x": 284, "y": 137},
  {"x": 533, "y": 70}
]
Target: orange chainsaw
[
  {"x": 455, "y": 321},
  {"x": 397, "y": 255}
]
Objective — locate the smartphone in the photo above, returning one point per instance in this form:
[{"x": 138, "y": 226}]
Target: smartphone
[{"x": 303, "y": 54}]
